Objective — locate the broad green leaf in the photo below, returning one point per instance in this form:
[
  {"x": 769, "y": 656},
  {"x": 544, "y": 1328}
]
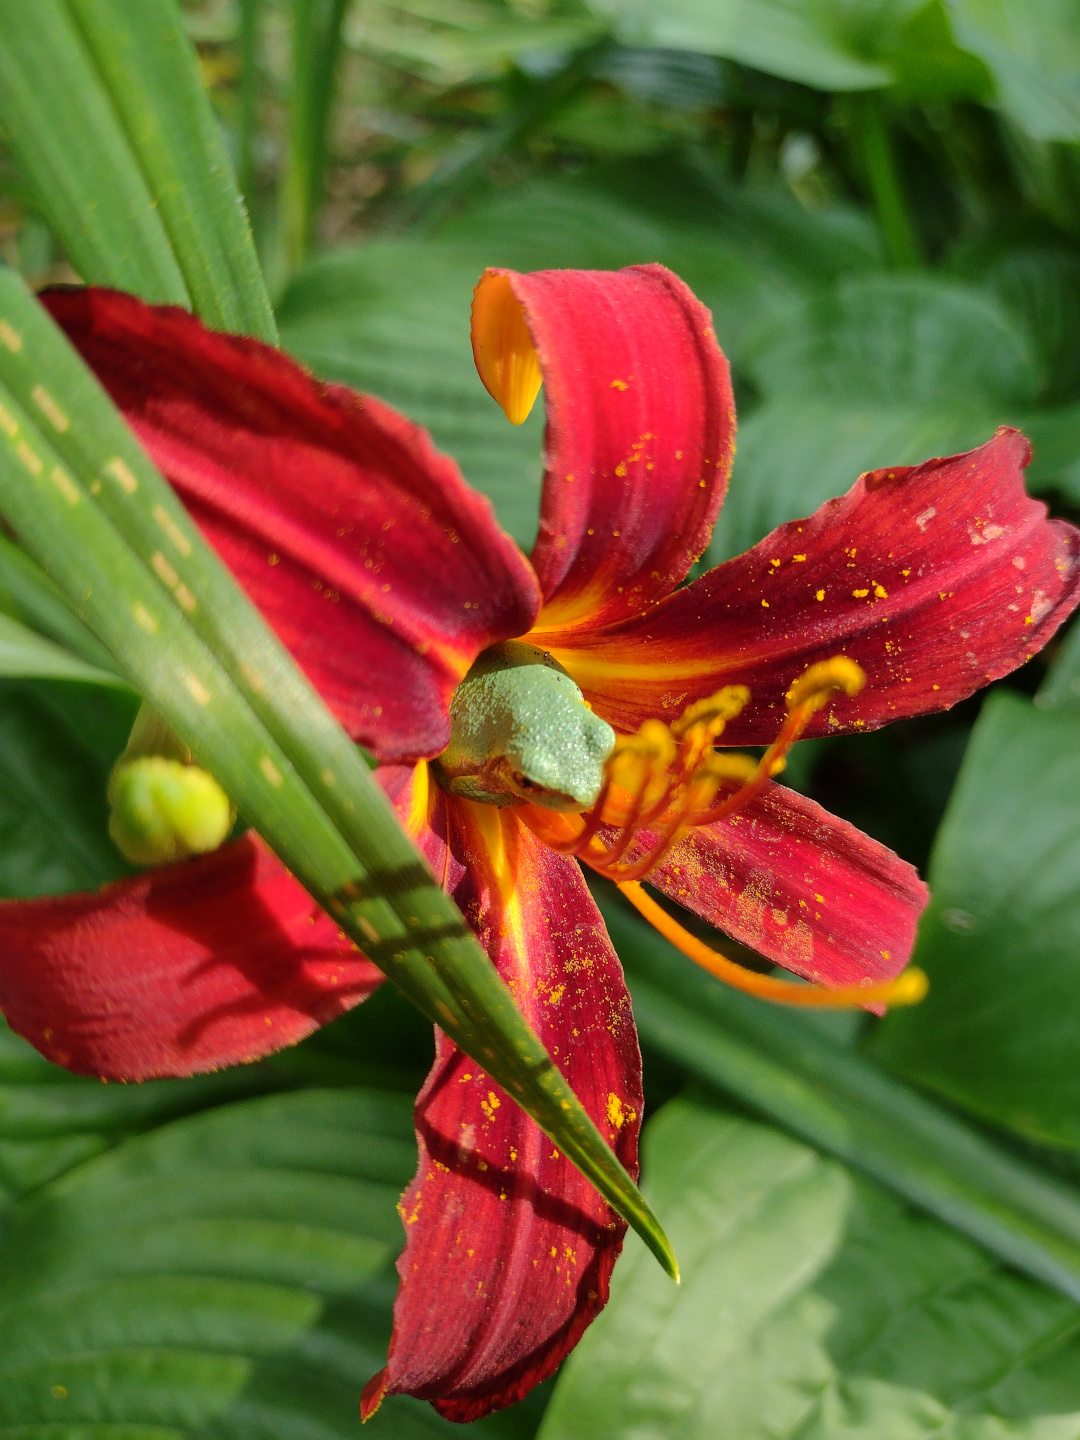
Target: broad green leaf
[
  {"x": 51, "y": 1120},
  {"x": 62, "y": 127},
  {"x": 449, "y": 41},
  {"x": 53, "y": 812},
  {"x": 1001, "y": 942},
  {"x": 1032, "y": 48},
  {"x": 899, "y": 339},
  {"x": 756, "y": 1216},
  {"x": 784, "y": 1066},
  {"x": 881, "y": 370},
  {"x": 151, "y": 76},
  {"x": 794, "y": 454},
  {"x": 907, "y": 45},
  {"x": 1061, "y": 688},
  {"x": 811, "y": 1307},
  {"x": 822, "y": 43},
  {"x": 1037, "y": 285},
  {"x": 928, "y": 65},
  {"x": 24, "y": 653},
  {"x": 226, "y": 1275},
  {"x": 87, "y": 503}
]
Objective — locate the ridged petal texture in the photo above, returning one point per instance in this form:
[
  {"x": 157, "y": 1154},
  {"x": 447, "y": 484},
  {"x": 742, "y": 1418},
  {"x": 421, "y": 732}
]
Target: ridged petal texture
[
  {"x": 379, "y": 568},
  {"x": 508, "y": 1249},
  {"x": 210, "y": 962},
  {"x": 935, "y": 578},
  {"x": 640, "y": 436},
  {"x": 801, "y": 887}
]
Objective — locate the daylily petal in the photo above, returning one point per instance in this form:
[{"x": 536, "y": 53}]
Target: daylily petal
[
  {"x": 801, "y": 887},
  {"x": 211, "y": 962},
  {"x": 640, "y": 434},
  {"x": 509, "y": 1250},
  {"x": 378, "y": 567},
  {"x": 935, "y": 578}
]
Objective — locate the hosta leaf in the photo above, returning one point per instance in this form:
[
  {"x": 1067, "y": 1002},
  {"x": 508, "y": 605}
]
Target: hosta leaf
[
  {"x": 1037, "y": 284},
  {"x": 899, "y": 338},
  {"x": 54, "y": 766},
  {"x": 226, "y": 1275},
  {"x": 1033, "y": 52},
  {"x": 794, "y": 454},
  {"x": 1001, "y": 940},
  {"x": 821, "y": 43},
  {"x": 880, "y": 370},
  {"x": 811, "y": 1307}
]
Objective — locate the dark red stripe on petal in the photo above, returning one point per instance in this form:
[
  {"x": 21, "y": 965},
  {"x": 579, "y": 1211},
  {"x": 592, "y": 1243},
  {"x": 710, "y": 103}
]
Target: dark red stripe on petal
[
  {"x": 508, "y": 1249},
  {"x": 640, "y": 435},
  {"x": 378, "y": 567},
  {"x": 801, "y": 887},
  {"x": 936, "y": 579},
  {"x": 212, "y": 962}
]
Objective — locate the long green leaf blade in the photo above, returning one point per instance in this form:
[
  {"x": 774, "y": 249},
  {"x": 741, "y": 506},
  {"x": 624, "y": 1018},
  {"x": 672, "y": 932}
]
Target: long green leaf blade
[
  {"x": 74, "y": 154},
  {"x": 27, "y": 594},
  {"x": 152, "y": 78}
]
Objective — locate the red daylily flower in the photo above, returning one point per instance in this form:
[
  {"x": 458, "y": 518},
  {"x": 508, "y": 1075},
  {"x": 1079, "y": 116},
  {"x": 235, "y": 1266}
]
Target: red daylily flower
[{"x": 387, "y": 578}]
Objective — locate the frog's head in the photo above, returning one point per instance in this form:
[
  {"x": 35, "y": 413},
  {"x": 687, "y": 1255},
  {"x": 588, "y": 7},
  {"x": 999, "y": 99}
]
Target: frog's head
[{"x": 521, "y": 730}]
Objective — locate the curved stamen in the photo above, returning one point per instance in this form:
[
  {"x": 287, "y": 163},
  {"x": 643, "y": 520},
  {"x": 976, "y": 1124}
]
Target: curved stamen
[
  {"x": 805, "y": 698},
  {"x": 907, "y": 989}
]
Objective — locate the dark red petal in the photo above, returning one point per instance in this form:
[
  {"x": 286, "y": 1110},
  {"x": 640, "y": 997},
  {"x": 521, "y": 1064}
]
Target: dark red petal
[
  {"x": 801, "y": 887},
  {"x": 640, "y": 435},
  {"x": 936, "y": 579},
  {"x": 380, "y": 569},
  {"x": 211, "y": 962},
  {"x": 509, "y": 1250}
]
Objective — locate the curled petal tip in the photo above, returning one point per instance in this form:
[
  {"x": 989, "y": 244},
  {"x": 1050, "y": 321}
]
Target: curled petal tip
[
  {"x": 371, "y": 1397},
  {"x": 503, "y": 348}
]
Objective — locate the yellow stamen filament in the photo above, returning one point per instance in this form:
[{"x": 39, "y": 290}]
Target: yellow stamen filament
[
  {"x": 907, "y": 989},
  {"x": 664, "y": 780},
  {"x": 505, "y": 356},
  {"x": 805, "y": 698},
  {"x": 660, "y": 777}
]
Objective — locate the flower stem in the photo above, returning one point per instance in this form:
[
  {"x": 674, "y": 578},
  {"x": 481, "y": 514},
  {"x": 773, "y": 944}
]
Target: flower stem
[{"x": 879, "y": 163}]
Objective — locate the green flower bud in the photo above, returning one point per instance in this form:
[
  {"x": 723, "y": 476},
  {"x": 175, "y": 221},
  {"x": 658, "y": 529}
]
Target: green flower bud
[{"x": 164, "y": 810}]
